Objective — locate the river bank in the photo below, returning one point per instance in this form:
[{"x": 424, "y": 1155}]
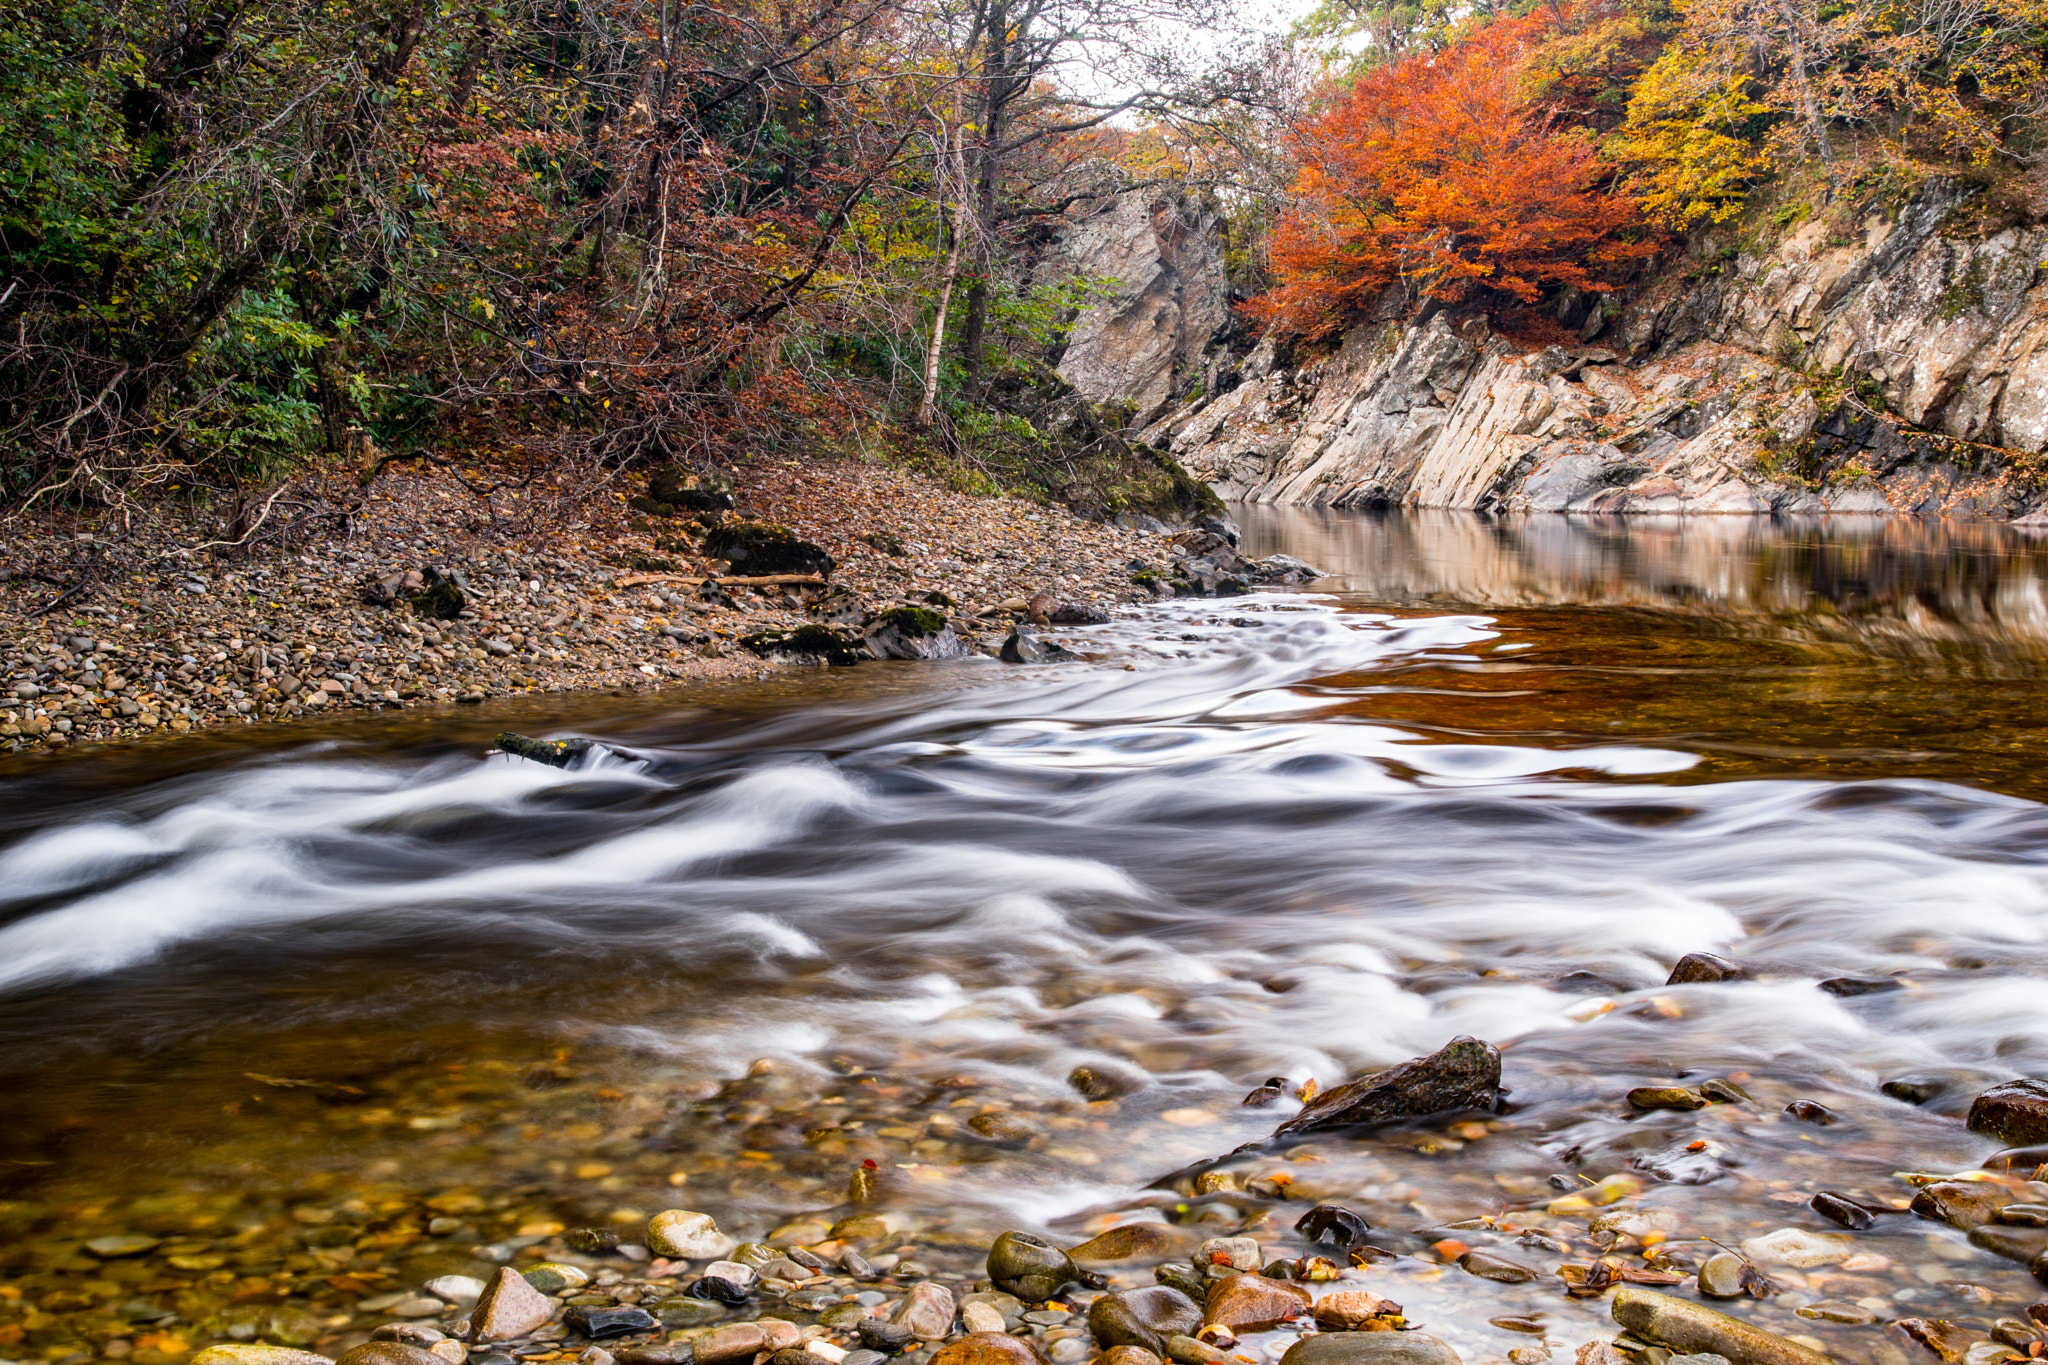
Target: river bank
[{"x": 160, "y": 638}]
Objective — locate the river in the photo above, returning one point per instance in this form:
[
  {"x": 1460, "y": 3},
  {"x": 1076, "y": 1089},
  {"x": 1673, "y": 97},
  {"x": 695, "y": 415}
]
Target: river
[{"x": 277, "y": 999}]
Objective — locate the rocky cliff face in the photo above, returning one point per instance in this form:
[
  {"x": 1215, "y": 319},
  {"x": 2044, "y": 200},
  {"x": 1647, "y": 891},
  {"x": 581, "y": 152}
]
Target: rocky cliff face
[
  {"x": 1901, "y": 369},
  {"x": 1160, "y": 257}
]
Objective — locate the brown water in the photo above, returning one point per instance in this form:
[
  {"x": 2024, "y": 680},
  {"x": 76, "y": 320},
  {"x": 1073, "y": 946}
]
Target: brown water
[{"x": 280, "y": 999}]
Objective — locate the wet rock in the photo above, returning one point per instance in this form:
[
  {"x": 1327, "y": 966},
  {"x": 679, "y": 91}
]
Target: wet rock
[
  {"x": 1496, "y": 1268},
  {"x": 1023, "y": 647},
  {"x": 986, "y": 1348},
  {"x": 1271, "y": 1093},
  {"x": 388, "y": 1353},
  {"x": 1143, "y": 1317},
  {"x": 879, "y": 1334},
  {"x": 1253, "y": 1303},
  {"x": 1020, "y": 1264},
  {"x": 1107, "y": 1081},
  {"x": 1353, "y": 1310},
  {"x": 683, "y": 1312},
  {"x": 1720, "y": 1276},
  {"x": 256, "y": 1353},
  {"x": 1130, "y": 1242},
  {"x": 1961, "y": 1203},
  {"x": 806, "y": 644},
  {"x": 1831, "y": 1310},
  {"x": 456, "y": 1289},
  {"x": 1001, "y": 1128},
  {"x": 1078, "y": 614},
  {"x": 2015, "y": 1333},
  {"x": 1333, "y": 1225},
  {"x": 552, "y": 1277},
  {"x": 1840, "y": 1209},
  {"x": 2016, "y": 1113},
  {"x": 744, "y": 1340},
  {"x": 1724, "y": 1092},
  {"x": 678, "y": 1354},
  {"x": 122, "y": 1247},
  {"x": 1846, "y": 986},
  {"x": 509, "y": 1308},
  {"x": 982, "y": 1317},
  {"x": 1811, "y": 1111},
  {"x": 1463, "y": 1074},
  {"x": 1127, "y": 1355},
  {"x": 754, "y": 548},
  {"x": 856, "y": 1265},
  {"x": 1185, "y": 1350},
  {"x": 1945, "y": 1341},
  {"x": 681, "y": 1235},
  {"x": 1186, "y": 1279},
  {"x": 914, "y": 633},
  {"x": 556, "y": 753},
  {"x": 1682, "y": 1325},
  {"x": 592, "y": 1241},
  {"x": 2021, "y": 1244},
  {"x": 2024, "y": 1215},
  {"x": 2024, "y": 1160},
  {"x": 1701, "y": 968},
  {"x": 1240, "y": 1253},
  {"x": 1666, "y": 1097},
  {"x": 862, "y": 1227},
  {"x": 927, "y": 1311},
  {"x": 1369, "y": 1348},
  {"x": 600, "y": 1323},
  {"x": 803, "y": 1355}
]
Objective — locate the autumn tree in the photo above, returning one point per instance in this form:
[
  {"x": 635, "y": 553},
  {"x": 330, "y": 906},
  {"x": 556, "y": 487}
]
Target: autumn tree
[{"x": 1439, "y": 176}]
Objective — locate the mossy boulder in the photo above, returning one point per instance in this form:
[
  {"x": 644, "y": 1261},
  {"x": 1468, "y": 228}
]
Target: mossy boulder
[
  {"x": 762, "y": 547},
  {"x": 690, "y": 490},
  {"x": 914, "y": 633}
]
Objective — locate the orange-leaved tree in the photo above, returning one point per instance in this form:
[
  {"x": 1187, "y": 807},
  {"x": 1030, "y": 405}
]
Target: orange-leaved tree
[{"x": 1441, "y": 174}]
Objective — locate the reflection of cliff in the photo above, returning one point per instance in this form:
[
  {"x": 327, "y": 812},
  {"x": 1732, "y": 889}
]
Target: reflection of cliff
[{"x": 1902, "y": 580}]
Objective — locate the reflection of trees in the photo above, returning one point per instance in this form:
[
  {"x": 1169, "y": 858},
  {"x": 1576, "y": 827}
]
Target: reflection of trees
[{"x": 1900, "y": 579}]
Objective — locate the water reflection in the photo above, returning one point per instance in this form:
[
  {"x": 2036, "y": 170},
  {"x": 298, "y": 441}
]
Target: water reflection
[{"x": 1894, "y": 580}]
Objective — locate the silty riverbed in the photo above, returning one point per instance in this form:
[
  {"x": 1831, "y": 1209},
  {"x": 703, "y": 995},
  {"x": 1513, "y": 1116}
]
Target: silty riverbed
[{"x": 312, "y": 1034}]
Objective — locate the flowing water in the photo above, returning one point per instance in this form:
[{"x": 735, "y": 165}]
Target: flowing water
[{"x": 278, "y": 999}]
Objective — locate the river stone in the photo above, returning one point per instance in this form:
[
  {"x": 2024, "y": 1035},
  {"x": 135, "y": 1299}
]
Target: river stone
[
  {"x": 879, "y": 1334},
  {"x": 1185, "y": 1350},
  {"x": 387, "y": 1353},
  {"x": 117, "y": 1248},
  {"x": 2024, "y": 1215},
  {"x": 981, "y": 1317},
  {"x": 1721, "y": 1276},
  {"x": 457, "y": 1289},
  {"x": 914, "y": 633},
  {"x": 1143, "y": 1317},
  {"x": 1697, "y": 968},
  {"x": 1352, "y": 1310},
  {"x": 1947, "y": 1341},
  {"x": 2016, "y": 1113},
  {"x": 1128, "y": 1355},
  {"x": 1369, "y": 1348},
  {"x": 256, "y": 1353},
  {"x": 592, "y": 1241},
  {"x": 1021, "y": 1264},
  {"x": 1130, "y": 1242},
  {"x": 1240, "y": 1253},
  {"x": 455, "y": 1353},
  {"x": 1666, "y": 1097},
  {"x": 1846, "y": 986},
  {"x": 2013, "y": 1243},
  {"x": 1798, "y": 1248},
  {"x": 927, "y": 1310},
  {"x": 986, "y": 1348},
  {"x": 1682, "y": 1325},
  {"x": 681, "y": 1235},
  {"x": 1023, "y": 647},
  {"x": 1961, "y": 1203},
  {"x": 1185, "y": 1278},
  {"x": 1333, "y": 1225},
  {"x": 1811, "y": 1111},
  {"x": 1499, "y": 1269},
  {"x": 682, "y": 1312},
  {"x": 1842, "y": 1210},
  {"x": 411, "y": 1333},
  {"x": 552, "y": 1277},
  {"x": 1253, "y": 1303},
  {"x": 746, "y": 1339},
  {"x": 1100, "y": 1081},
  {"x": 1718, "y": 1091},
  {"x": 509, "y": 1308},
  {"x": 600, "y": 1323},
  {"x": 1463, "y": 1074}
]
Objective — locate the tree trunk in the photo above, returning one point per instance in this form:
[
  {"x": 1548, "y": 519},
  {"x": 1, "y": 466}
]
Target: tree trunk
[{"x": 928, "y": 404}]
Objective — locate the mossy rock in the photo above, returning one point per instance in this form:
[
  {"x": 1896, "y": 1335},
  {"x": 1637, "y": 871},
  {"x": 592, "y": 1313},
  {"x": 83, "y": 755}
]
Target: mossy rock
[
  {"x": 809, "y": 644},
  {"x": 761, "y": 547},
  {"x": 917, "y": 621},
  {"x": 887, "y": 542}
]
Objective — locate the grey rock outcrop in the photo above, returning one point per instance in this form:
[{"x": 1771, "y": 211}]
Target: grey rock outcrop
[
  {"x": 1160, "y": 256},
  {"x": 1893, "y": 371}
]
